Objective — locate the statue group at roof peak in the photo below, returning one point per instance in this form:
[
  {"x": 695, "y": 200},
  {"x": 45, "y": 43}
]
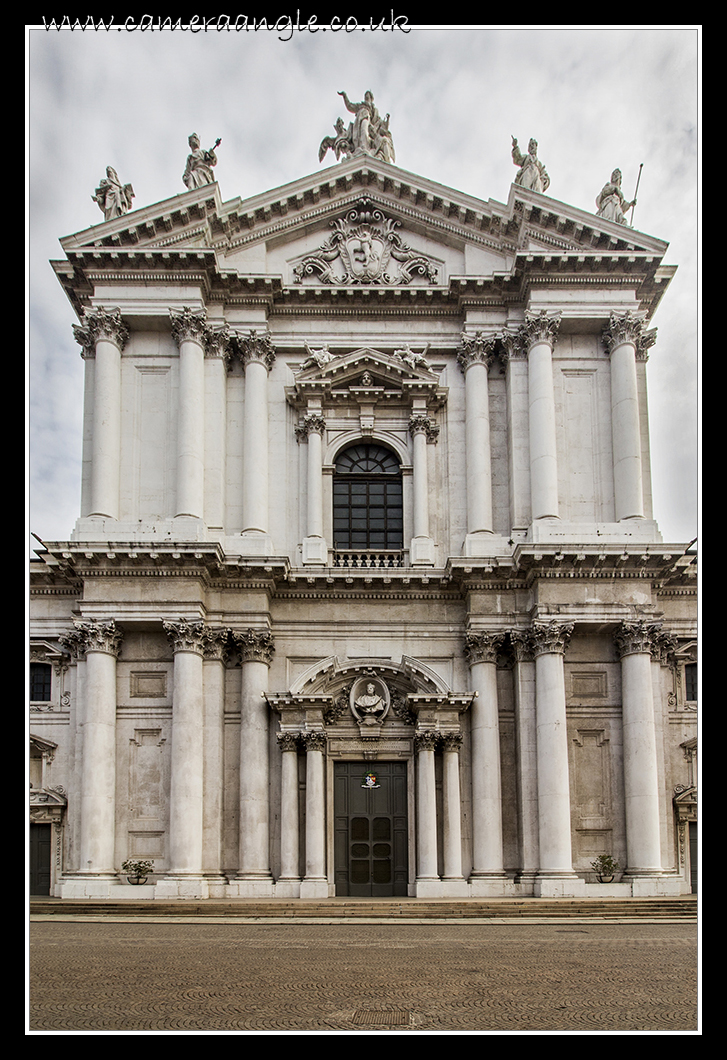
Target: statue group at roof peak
[{"x": 367, "y": 134}]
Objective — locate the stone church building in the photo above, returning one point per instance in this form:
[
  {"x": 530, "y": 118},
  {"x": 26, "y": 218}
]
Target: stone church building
[{"x": 366, "y": 596}]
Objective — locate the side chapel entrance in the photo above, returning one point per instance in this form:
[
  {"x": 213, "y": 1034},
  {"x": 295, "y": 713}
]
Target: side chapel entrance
[{"x": 371, "y": 830}]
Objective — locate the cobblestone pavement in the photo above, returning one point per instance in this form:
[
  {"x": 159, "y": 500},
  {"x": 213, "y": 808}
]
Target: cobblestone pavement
[{"x": 352, "y": 977}]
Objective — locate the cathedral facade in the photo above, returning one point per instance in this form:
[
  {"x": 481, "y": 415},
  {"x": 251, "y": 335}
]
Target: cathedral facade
[{"x": 366, "y": 596}]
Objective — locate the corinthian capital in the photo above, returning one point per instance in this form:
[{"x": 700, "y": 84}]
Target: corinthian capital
[
  {"x": 540, "y": 327},
  {"x": 314, "y": 740},
  {"x": 254, "y": 645},
  {"x": 628, "y": 327},
  {"x": 420, "y": 423},
  {"x": 98, "y": 325},
  {"x": 476, "y": 349},
  {"x": 640, "y": 637},
  {"x": 189, "y": 325},
  {"x": 97, "y": 636},
  {"x": 185, "y": 636},
  {"x": 313, "y": 423},
  {"x": 482, "y": 646},
  {"x": 218, "y": 343},
  {"x": 257, "y": 347},
  {"x": 551, "y": 637}
]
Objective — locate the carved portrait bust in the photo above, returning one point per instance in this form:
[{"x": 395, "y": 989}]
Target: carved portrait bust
[{"x": 369, "y": 699}]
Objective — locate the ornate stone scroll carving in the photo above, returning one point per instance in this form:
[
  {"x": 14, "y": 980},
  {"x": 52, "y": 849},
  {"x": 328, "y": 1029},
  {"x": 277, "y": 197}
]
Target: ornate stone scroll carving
[
  {"x": 288, "y": 741},
  {"x": 426, "y": 741},
  {"x": 254, "y": 645},
  {"x": 365, "y": 248},
  {"x": 367, "y": 134},
  {"x": 100, "y": 324}
]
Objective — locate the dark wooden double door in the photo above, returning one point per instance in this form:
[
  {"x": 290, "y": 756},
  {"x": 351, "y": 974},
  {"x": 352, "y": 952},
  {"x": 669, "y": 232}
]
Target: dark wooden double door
[{"x": 371, "y": 831}]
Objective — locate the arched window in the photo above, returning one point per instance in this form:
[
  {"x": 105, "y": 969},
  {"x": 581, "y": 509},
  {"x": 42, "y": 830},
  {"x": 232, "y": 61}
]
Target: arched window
[{"x": 367, "y": 499}]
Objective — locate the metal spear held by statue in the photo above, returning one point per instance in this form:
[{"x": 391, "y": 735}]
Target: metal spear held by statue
[{"x": 633, "y": 203}]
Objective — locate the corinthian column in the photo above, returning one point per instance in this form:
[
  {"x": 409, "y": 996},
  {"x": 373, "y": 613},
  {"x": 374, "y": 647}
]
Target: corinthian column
[
  {"x": 634, "y": 642},
  {"x": 475, "y": 356},
  {"x": 539, "y": 333},
  {"x": 103, "y": 337},
  {"x": 428, "y": 882},
  {"x": 289, "y": 879},
  {"x": 624, "y": 337},
  {"x": 453, "y": 882},
  {"x": 556, "y": 876},
  {"x": 186, "y": 799},
  {"x": 101, "y": 642},
  {"x": 189, "y": 329},
  {"x": 315, "y": 884},
  {"x": 257, "y": 355},
  {"x": 256, "y": 654},
  {"x": 481, "y": 649},
  {"x": 314, "y": 545}
]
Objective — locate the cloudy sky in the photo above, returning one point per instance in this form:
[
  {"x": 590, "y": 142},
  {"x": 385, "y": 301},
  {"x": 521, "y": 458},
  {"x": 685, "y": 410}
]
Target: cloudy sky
[{"x": 594, "y": 98}]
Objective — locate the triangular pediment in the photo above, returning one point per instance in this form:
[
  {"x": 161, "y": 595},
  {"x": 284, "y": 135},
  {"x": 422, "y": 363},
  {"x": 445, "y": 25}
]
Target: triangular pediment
[
  {"x": 359, "y": 225},
  {"x": 365, "y": 373}
]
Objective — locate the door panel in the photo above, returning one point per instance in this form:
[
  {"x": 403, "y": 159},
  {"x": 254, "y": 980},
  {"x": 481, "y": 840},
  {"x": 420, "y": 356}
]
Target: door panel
[{"x": 371, "y": 835}]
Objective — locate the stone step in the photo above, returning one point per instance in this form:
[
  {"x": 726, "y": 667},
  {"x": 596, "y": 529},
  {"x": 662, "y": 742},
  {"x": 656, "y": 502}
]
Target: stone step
[{"x": 383, "y": 908}]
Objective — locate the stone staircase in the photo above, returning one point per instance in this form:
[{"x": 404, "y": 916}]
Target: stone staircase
[{"x": 681, "y": 908}]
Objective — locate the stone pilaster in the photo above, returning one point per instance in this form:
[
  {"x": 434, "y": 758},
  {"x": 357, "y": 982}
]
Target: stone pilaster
[
  {"x": 481, "y": 649},
  {"x": 635, "y": 642},
  {"x": 422, "y": 431},
  {"x": 103, "y": 336},
  {"x": 475, "y": 355},
  {"x": 313, "y": 428},
  {"x": 315, "y": 883},
  {"x": 256, "y": 648}
]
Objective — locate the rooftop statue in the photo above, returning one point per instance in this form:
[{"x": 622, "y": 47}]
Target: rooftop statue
[
  {"x": 367, "y": 134},
  {"x": 199, "y": 164},
  {"x": 320, "y": 357},
  {"x": 113, "y": 197},
  {"x": 532, "y": 171},
  {"x": 412, "y": 359},
  {"x": 611, "y": 203}
]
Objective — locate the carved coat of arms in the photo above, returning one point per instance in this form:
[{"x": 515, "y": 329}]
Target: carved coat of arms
[{"x": 365, "y": 248}]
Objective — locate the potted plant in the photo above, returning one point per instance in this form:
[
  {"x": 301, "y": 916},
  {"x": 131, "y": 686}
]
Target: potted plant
[
  {"x": 137, "y": 870},
  {"x": 605, "y": 868}
]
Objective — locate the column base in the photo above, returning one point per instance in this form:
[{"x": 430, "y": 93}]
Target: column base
[
  {"x": 421, "y": 552},
  {"x": 315, "y": 552},
  {"x": 495, "y": 885},
  {"x": 455, "y": 887},
  {"x": 256, "y": 543},
  {"x": 559, "y": 887},
  {"x": 428, "y": 887},
  {"x": 287, "y": 887},
  {"x": 249, "y": 887},
  {"x": 182, "y": 886},
  {"x": 484, "y": 543},
  {"x": 314, "y": 888},
  {"x": 91, "y": 886},
  {"x": 647, "y": 886}
]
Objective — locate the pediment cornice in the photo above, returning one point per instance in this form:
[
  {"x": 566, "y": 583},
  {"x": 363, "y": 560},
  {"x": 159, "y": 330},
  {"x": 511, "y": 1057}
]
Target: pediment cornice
[{"x": 365, "y": 374}]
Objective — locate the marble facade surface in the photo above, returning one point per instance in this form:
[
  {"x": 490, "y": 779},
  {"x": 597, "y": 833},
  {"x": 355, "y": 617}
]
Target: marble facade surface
[{"x": 213, "y": 655}]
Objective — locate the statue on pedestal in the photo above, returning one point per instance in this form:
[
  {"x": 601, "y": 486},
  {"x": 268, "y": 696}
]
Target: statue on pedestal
[
  {"x": 532, "y": 171},
  {"x": 611, "y": 203},
  {"x": 113, "y": 197},
  {"x": 199, "y": 164},
  {"x": 367, "y": 134}
]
